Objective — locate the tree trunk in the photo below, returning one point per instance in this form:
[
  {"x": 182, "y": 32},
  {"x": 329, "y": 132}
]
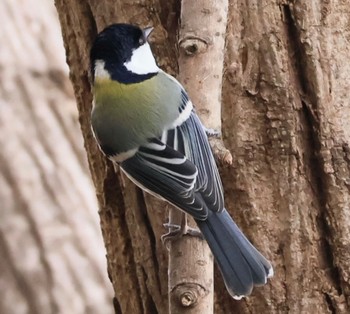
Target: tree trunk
[
  {"x": 285, "y": 114},
  {"x": 52, "y": 255}
]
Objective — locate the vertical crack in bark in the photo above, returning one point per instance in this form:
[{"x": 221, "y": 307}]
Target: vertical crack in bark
[
  {"x": 115, "y": 206},
  {"x": 281, "y": 252},
  {"x": 317, "y": 177},
  {"x": 296, "y": 55},
  {"x": 329, "y": 303},
  {"x": 170, "y": 16},
  {"x": 151, "y": 236},
  {"x": 116, "y": 305},
  {"x": 86, "y": 8},
  {"x": 313, "y": 148},
  {"x": 113, "y": 192},
  {"x": 332, "y": 270},
  {"x": 150, "y": 305}
]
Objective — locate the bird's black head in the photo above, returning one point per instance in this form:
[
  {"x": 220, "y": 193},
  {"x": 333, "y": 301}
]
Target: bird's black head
[{"x": 123, "y": 52}]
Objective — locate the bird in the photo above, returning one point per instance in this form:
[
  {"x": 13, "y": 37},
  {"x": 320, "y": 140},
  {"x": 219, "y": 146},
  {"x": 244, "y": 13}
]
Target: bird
[{"x": 144, "y": 122}]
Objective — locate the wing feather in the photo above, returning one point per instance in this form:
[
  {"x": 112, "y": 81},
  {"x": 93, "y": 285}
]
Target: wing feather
[
  {"x": 190, "y": 139},
  {"x": 167, "y": 173}
]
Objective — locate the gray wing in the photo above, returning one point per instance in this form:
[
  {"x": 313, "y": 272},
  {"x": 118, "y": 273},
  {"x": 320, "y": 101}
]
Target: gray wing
[
  {"x": 163, "y": 171},
  {"x": 180, "y": 167},
  {"x": 190, "y": 139}
]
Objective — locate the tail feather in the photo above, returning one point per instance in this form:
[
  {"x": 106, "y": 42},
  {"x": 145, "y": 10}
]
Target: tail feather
[{"x": 240, "y": 263}]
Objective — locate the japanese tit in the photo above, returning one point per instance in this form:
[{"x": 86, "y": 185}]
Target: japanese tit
[{"x": 144, "y": 121}]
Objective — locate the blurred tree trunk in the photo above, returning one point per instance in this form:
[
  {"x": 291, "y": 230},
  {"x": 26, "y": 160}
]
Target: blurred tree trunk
[
  {"x": 52, "y": 256},
  {"x": 285, "y": 118}
]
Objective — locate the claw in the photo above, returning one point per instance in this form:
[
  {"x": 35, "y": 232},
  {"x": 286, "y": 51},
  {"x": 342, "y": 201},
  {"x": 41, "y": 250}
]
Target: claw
[
  {"x": 212, "y": 132},
  {"x": 174, "y": 233},
  {"x": 177, "y": 231}
]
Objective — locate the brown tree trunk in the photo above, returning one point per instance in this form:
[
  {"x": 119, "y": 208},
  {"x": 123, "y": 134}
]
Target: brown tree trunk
[
  {"x": 51, "y": 251},
  {"x": 285, "y": 113}
]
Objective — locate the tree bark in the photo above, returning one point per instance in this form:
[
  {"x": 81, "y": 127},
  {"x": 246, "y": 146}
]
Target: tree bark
[
  {"x": 52, "y": 255},
  {"x": 285, "y": 114}
]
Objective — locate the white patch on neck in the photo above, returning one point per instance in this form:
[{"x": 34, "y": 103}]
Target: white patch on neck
[
  {"x": 142, "y": 61},
  {"x": 100, "y": 72}
]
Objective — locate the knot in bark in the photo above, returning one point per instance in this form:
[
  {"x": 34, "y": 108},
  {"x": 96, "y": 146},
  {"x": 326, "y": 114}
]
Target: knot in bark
[
  {"x": 189, "y": 294},
  {"x": 192, "y": 45},
  {"x": 188, "y": 298}
]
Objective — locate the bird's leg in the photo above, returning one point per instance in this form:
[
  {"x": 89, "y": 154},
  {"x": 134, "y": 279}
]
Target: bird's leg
[{"x": 177, "y": 231}]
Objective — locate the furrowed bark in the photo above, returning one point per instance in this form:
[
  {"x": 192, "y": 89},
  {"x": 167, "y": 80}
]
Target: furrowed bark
[
  {"x": 201, "y": 58},
  {"x": 283, "y": 91}
]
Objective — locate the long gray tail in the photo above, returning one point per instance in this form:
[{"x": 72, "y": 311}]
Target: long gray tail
[{"x": 240, "y": 263}]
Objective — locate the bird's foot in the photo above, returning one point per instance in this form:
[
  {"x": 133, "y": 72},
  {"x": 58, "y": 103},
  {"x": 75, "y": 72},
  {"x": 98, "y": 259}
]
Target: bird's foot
[
  {"x": 212, "y": 132},
  {"x": 177, "y": 231}
]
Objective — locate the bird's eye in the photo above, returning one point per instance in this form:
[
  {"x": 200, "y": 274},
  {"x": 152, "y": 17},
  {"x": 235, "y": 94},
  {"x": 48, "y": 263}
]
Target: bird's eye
[{"x": 141, "y": 41}]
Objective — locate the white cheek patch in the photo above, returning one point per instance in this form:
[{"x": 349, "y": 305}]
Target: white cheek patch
[
  {"x": 142, "y": 61},
  {"x": 100, "y": 72}
]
